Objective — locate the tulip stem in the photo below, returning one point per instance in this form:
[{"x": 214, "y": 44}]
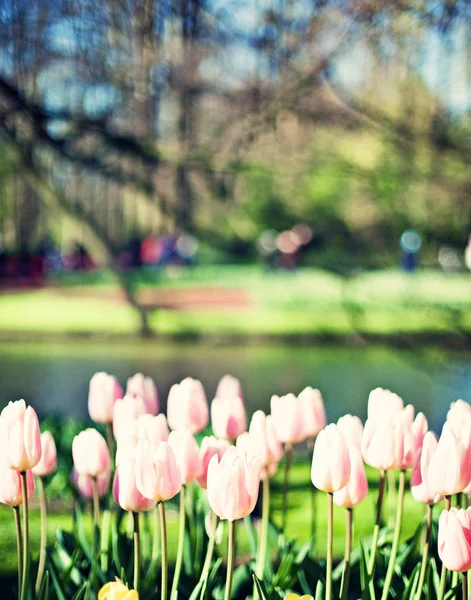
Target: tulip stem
[
  {"x": 42, "y": 551},
  {"x": 348, "y": 551},
  {"x": 96, "y": 516},
  {"x": 19, "y": 546},
  {"x": 163, "y": 547},
  {"x": 397, "y": 534},
  {"x": 330, "y": 541},
  {"x": 379, "y": 506},
  {"x": 464, "y": 582},
  {"x": 263, "y": 540},
  {"x": 441, "y": 589},
  {"x": 288, "y": 458},
  {"x": 155, "y": 538},
  {"x": 24, "y": 581},
  {"x": 310, "y": 447},
  {"x": 110, "y": 439},
  {"x": 210, "y": 551},
  {"x": 137, "y": 551},
  {"x": 425, "y": 552},
  {"x": 230, "y": 559},
  {"x": 181, "y": 546}
]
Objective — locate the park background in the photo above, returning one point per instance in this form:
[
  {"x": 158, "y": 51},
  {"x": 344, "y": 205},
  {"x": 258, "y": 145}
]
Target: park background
[{"x": 279, "y": 190}]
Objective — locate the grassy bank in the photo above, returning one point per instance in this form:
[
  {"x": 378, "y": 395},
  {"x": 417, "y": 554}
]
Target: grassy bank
[
  {"x": 299, "y": 522},
  {"x": 305, "y": 303}
]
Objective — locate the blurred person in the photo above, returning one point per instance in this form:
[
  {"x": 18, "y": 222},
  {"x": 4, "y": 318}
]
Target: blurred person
[{"x": 411, "y": 243}]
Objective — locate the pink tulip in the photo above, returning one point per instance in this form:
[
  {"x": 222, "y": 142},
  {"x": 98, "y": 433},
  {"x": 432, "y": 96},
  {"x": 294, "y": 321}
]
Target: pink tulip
[
  {"x": 90, "y": 453},
  {"x": 229, "y": 386},
  {"x": 187, "y": 453},
  {"x": 228, "y": 417},
  {"x": 421, "y": 478},
  {"x": 20, "y": 437},
  {"x": 288, "y": 419},
  {"x": 125, "y": 412},
  {"x": 352, "y": 429},
  {"x": 330, "y": 469},
  {"x": 145, "y": 388},
  {"x": 11, "y": 492},
  {"x": 454, "y": 539},
  {"x": 267, "y": 445},
  {"x": 210, "y": 446},
  {"x": 84, "y": 483},
  {"x": 187, "y": 406},
  {"x": 125, "y": 491},
  {"x": 103, "y": 392},
  {"x": 145, "y": 427},
  {"x": 405, "y": 443},
  {"x": 419, "y": 429},
  {"x": 449, "y": 467},
  {"x": 157, "y": 474},
  {"x": 313, "y": 411},
  {"x": 459, "y": 417},
  {"x": 233, "y": 483},
  {"x": 48, "y": 462},
  {"x": 383, "y": 404},
  {"x": 391, "y": 444},
  {"x": 152, "y": 427},
  {"x": 357, "y": 487}
]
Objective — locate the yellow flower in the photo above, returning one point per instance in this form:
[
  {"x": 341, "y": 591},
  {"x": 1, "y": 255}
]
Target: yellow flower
[
  {"x": 295, "y": 597},
  {"x": 116, "y": 590}
]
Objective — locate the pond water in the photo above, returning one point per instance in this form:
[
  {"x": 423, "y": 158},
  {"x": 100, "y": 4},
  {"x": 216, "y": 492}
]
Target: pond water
[{"x": 54, "y": 377}]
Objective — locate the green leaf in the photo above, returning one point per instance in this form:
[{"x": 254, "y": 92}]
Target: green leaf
[
  {"x": 44, "y": 589},
  {"x": 55, "y": 580},
  {"x": 411, "y": 586},
  {"x": 261, "y": 590},
  {"x": 81, "y": 593}
]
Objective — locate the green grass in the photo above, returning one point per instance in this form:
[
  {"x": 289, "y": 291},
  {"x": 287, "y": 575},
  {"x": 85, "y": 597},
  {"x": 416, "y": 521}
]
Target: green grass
[
  {"x": 299, "y": 521},
  {"x": 308, "y": 302}
]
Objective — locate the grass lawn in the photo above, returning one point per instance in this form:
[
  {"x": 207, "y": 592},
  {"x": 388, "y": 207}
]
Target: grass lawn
[
  {"x": 306, "y": 302},
  {"x": 299, "y": 522}
]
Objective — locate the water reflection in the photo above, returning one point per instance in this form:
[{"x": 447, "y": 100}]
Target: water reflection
[{"x": 54, "y": 376}]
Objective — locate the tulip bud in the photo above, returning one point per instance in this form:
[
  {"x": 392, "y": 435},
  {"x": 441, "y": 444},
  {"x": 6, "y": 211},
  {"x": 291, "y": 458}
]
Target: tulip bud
[
  {"x": 454, "y": 539},
  {"x": 84, "y": 483},
  {"x": 449, "y": 467},
  {"x": 145, "y": 388},
  {"x": 352, "y": 430},
  {"x": 228, "y": 416},
  {"x": 187, "y": 407},
  {"x": 125, "y": 412},
  {"x": 313, "y": 411},
  {"x": 90, "y": 453},
  {"x": 187, "y": 453},
  {"x": 383, "y": 405},
  {"x": 357, "y": 487},
  {"x": 157, "y": 473},
  {"x": 233, "y": 484},
  {"x": 48, "y": 462},
  {"x": 103, "y": 392},
  {"x": 288, "y": 417},
  {"x": 330, "y": 469},
  {"x": 420, "y": 481},
  {"x": 263, "y": 431},
  {"x": 229, "y": 386},
  {"x": 125, "y": 491},
  {"x": 210, "y": 446},
  {"x": 20, "y": 436},
  {"x": 11, "y": 492}
]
